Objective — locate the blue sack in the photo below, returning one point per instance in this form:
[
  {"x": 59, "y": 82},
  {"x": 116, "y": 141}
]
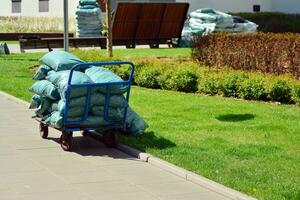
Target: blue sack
[
  {"x": 103, "y": 75},
  {"x": 45, "y": 88},
  {"x": 60, "y": 60},
  {"x": 60, "y": 80}
]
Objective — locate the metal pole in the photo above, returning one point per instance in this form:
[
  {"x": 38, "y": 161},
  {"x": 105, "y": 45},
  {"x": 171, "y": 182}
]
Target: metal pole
[{"x": 66, "y": 26}]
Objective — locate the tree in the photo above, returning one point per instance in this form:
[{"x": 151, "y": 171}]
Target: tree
[{"x": 109, "y": 28}]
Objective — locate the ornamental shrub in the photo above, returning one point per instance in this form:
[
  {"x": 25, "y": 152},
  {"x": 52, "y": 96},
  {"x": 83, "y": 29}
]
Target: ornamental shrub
[
  {"x": 253, "y": 89},
  {"x": 148, "y": 77},
  {"x": 280, "y": 91},
  {"x": 179, "y": 80}
]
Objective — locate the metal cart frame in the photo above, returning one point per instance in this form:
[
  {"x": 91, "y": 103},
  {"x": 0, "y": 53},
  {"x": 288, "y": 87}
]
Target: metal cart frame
[{"x": 68, "y": 127}]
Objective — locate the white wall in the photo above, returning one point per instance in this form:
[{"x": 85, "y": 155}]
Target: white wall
[
  {"x": 287, "y": 6},
  {"x": 31, "y": 8},
  {"x": 230, "y": 5}
]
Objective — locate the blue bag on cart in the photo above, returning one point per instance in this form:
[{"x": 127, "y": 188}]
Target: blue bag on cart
[
  {"x": 60, "y": 80},
  {"x": 42, "y": 72},
  {"x": 60, "y": 60},
  {"x": 103, "y": 75},
  {"x": 45, "y": 88}
]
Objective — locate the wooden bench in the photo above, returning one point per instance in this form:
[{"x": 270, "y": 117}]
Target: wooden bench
[
  {"x": 16, "y": 36},
  {"x": 50, "y": 43},
  {"x": 148, "y": 23}
]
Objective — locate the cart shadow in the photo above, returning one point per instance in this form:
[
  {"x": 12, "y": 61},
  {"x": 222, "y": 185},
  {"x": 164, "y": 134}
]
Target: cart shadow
[
  {"x": 150, "y": 141},
  {"x": 235, "y": 117},
  {"x": 91, "y": 145}
]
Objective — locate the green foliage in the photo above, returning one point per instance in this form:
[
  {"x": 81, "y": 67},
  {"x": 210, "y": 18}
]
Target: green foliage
[
  {"x": 148, "y": 77},
  {"x": 253, "y": 89},
  {"x": 280, "y": 91},
  {"x": 296, "y": 94},
  {"x": 182, "y": 80},
  {"x": 231, "y": 85},
  {"x": 210, "y": 84},
  {"x": 265, "y": 20}
]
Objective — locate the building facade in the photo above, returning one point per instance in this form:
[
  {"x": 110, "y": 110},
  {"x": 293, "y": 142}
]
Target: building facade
[
  {"x": 286, "y": 6},
  {"x": 55, "y": 7}
]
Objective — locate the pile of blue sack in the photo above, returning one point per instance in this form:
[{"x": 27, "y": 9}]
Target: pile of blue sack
[
  {"x": 206, "y": 20},
  {"x": 49, "y": 97},
  {"x": 88, "y": 19}
]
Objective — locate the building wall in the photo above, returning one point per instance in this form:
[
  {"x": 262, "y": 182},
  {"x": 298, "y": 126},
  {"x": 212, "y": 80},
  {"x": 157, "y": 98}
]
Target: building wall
[
  {"x": 31, "y": 8},
  {"x": 287, "y": 6},
  {"x": 229, "y": 5}
]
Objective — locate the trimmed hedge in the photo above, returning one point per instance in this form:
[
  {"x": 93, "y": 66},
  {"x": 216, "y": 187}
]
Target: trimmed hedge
[
  {"x": 274, "y": 22},
  {"x": 264, "y": 52},
  {"x": 188, "y": 76}
]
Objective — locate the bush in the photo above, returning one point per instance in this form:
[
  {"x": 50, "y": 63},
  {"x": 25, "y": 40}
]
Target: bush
[
  {"x": 280, "y": 91},
  {"x": 210, "y": 84},
  {"x": 179, "y": 80},
  {"x": 253, "y": 89},
  {"x": 265, "y": 20},
  {"x": 148, "y": 78},
  {"x": 264, "y": 52},
  {"x": 296, "y": 94},
  {"x": 231, "y": 85},
  {"x": 188, "y": 76}
]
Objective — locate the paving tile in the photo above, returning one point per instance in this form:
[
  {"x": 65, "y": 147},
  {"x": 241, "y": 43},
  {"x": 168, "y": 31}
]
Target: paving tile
[
  {"x": 107, "y": 187},
  {"x": 137, "y": 195},
  {"x": 197, "y": 196},
  {"x": 89, "y": 176},
  {"x": 143, "y": 173},
  {"x": 58, "y": 195},
  {"x": 17, "y": 164},
  {"x": 40, "y": 187},
  {"x": 29, "y": 176},
  {"x": 69, "y": 163},
  {"x": 6, "y": 150},
  {"x": 171, "y": 189}
]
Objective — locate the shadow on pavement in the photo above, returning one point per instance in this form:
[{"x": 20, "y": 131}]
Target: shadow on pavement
[{"x": 89, "y": 146}]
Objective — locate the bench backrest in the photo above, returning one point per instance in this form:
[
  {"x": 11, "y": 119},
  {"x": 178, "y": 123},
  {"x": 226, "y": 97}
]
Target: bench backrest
[{"x": 149, "y": 21}]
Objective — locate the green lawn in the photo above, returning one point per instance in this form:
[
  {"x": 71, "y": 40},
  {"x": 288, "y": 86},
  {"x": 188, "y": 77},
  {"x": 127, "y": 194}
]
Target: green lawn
[
  {"x": 10, "y": 42},
  {"x": 249, "y": 146}
]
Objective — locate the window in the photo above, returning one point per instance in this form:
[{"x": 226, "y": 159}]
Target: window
[
  {"x": 256, "y": 8},
  {"x": 16, "y": 6},
  {"x": 43, "y": 5}
]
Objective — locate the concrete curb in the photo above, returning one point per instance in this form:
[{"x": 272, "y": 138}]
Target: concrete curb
[{"x": 185, "y": 174}]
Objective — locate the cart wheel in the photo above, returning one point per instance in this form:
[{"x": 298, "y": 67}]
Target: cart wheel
[
  {"x": 66, "y": 141},
  {"x": 84, "y": 133},
  {"x": 43, "y": 130},
  {"x": 109, "y": 139}
]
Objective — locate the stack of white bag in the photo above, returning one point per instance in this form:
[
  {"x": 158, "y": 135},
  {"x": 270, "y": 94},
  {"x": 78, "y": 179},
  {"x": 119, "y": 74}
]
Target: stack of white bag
[
  {"x": 88, "y": 19},
  {"x": 211, "y": 20},
  {"x": 206, "y": 20},
  {"x": 50, "y": 94}
]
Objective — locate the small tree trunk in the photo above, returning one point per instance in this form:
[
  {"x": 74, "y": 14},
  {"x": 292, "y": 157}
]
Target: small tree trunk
[{"x": 109, "y": 28}]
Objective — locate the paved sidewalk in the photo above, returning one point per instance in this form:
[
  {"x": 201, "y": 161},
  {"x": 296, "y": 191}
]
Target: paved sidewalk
[{"x": 33, "y": 168}]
